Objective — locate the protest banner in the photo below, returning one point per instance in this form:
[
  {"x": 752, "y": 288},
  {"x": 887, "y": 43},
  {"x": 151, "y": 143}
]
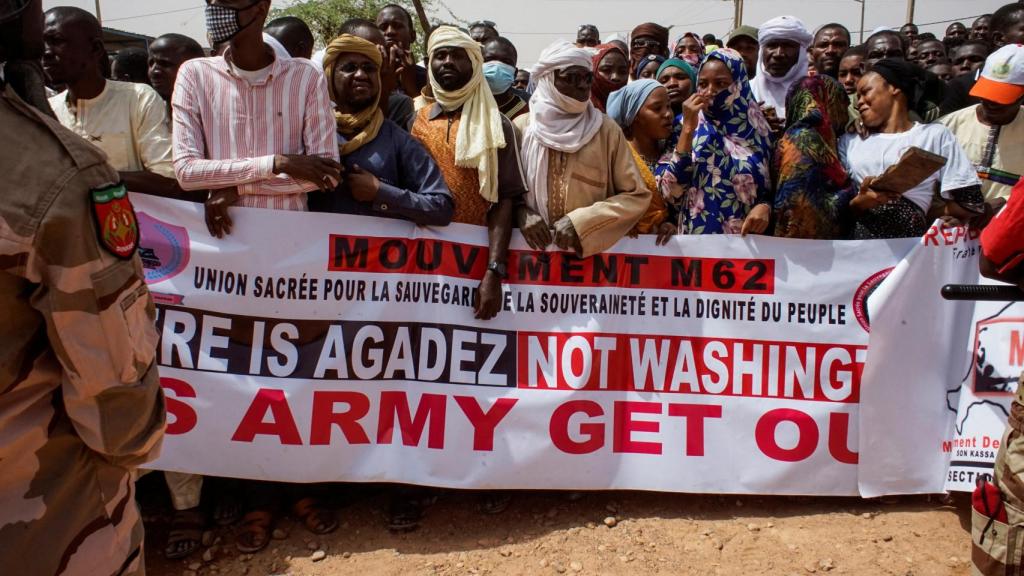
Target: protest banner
[
  {"x": 982, "y": 391},
  {"x": 915, "y": 357},
  {"x": 316, "y": 347}
]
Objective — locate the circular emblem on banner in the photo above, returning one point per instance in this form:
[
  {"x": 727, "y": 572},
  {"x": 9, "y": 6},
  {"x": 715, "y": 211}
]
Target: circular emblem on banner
[
  {"x": 864, "y": 291},
  {"x": 164, "y": 248}
]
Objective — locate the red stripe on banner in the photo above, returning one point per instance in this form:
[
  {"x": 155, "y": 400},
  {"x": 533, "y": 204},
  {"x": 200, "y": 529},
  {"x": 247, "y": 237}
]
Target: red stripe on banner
[
  {"x": 690, "y": 365},
  {"x": 383, "y": 255}
]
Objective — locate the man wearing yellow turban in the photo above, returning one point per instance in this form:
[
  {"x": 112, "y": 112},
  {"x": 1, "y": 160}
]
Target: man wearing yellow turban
[
  {"x": 386, "y": 171},
  {"x": 476, "y": 148}
]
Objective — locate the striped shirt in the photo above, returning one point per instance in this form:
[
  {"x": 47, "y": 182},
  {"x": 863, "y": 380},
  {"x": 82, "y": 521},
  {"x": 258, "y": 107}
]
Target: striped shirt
[{"x": 227, "y": 131}]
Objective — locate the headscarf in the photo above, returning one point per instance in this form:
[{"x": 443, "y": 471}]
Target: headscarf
[
  {"x": 682, "y": 65},
  {"x": 625, "y": 104},
  {"x": 695, "y": 59},
  {"x": 651, "y": 30},
  {"x": 645, "y": 61},
  {"x": 731, "y": 146},
  {"x": 767, "y": 88},
  {"x": 910, "y": 78},
  {"x": 480, "y": 134},
  {"x": 557, "y": 122},
  {"x": 601, "y": 87},
  {"x": 806, "y": 164},
  {"x": 362, "y": 127}
]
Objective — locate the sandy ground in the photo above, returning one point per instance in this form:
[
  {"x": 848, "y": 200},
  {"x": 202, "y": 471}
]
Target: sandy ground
[{"x": 603, "y": 533}]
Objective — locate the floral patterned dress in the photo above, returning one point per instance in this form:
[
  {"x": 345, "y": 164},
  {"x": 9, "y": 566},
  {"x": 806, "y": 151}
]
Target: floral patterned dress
[{"x": 712, "y": 189}]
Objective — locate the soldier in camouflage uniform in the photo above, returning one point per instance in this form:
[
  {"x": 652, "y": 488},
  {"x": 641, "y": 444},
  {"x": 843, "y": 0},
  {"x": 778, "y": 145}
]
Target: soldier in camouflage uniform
[{"x": 80, "y": 402}]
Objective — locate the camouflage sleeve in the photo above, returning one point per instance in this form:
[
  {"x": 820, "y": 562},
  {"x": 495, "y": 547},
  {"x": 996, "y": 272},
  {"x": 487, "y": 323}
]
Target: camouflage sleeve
[{"x": 100, "y": 322}]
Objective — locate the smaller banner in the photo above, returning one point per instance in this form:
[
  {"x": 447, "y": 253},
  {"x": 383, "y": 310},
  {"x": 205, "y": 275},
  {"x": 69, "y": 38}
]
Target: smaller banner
[{"x": 981, "y": 396}]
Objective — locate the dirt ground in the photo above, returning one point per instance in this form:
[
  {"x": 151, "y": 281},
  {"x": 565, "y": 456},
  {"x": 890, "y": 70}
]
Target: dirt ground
[{"x": 635, "y": 533}]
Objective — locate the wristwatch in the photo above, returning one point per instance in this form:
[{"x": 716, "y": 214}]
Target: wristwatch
[{"x": 499, "y": 268}]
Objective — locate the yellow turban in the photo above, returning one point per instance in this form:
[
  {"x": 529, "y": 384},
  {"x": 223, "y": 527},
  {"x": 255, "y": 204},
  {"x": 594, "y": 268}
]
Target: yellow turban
[
  {"x": 480, "y": 134},
  {"x": 362, "y": 127}
]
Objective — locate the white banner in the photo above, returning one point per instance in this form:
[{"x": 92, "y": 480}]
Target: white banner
[
  {"x": 317, "y": 347},
  {"x": 914, "y": 359},
  {"x": 985, "y": 385}
]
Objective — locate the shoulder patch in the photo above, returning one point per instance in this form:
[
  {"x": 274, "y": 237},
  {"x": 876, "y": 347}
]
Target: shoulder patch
[{"x": 116, "y": 225}]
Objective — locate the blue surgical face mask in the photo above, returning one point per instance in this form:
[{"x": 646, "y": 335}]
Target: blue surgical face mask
[{"x": 499, "y": 75}]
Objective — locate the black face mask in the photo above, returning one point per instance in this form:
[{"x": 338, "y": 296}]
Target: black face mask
[{"x": 222, "y": 22}]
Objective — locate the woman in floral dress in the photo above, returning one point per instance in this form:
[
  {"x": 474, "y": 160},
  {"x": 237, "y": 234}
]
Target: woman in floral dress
[{"x": 717, "y": 178}]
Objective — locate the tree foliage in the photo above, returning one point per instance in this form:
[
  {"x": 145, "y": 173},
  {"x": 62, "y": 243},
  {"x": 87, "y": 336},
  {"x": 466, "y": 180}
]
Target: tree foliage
[{"x": 325, "y": 17}]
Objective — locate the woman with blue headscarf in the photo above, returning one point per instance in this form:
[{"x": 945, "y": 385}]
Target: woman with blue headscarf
[
  {"x": 648, "y": 66},
  {"x": 643, "y": 112},
  {"x": 717, "y": 179}
]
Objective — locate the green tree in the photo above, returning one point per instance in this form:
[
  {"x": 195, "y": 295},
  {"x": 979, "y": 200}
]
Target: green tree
[{"x": 325, "y": 17}]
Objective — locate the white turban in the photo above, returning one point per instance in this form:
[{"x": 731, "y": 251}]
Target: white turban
[
  {"x": 480, "y": 134},
  {"x": 557, "y": 122},
  {"x": 770, "y": 89}
]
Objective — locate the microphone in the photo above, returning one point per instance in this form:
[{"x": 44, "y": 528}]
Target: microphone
[{"x": 983, "y": 293}]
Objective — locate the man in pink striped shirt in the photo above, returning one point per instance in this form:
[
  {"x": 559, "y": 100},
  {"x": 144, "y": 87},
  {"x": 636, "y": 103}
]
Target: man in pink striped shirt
[{"x": 257, "y": 130}]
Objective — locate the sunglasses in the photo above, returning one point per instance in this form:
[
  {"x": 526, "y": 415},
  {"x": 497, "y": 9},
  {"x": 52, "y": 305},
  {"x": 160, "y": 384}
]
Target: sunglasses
[
  {"x": 641, "y": 43},
  {"x": 575, "y": 78},
  {"x": 484, "y": 23}
]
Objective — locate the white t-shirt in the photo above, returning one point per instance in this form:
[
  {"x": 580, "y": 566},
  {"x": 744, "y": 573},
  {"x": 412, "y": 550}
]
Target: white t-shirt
[
  {"x": 872, "y": 155},
  {"x": 253, "y": 76}
]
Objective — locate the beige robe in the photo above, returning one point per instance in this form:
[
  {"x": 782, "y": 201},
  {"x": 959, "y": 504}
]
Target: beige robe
[{"x": 598, "y": 187}]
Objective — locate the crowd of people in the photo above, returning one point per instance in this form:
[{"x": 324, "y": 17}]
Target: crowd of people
[{"x": 776, "y": 130}]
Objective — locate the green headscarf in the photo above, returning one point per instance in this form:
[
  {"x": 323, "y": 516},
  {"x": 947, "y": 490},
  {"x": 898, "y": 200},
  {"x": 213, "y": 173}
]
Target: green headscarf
[{"x": 682, "y": 65}]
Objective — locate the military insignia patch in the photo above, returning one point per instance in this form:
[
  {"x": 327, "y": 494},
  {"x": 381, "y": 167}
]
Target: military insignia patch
[{"x": 116, "y": 226}]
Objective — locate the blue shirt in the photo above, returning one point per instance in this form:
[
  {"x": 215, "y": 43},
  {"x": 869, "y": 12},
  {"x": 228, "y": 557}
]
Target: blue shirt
[{"x": 411, "y": 184}]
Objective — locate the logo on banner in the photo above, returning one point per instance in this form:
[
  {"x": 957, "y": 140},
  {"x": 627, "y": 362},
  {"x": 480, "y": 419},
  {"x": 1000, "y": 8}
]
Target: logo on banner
[
  {"x": 998, "y": 356},
  {"x": 164, "y": 248},
  {"x": 864, "y": 291}
]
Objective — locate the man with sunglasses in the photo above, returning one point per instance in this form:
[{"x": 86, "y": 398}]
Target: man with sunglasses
[
  {"x": 222, "y": 140},
  {"x": 587, "y": 36},
  {"x": 585, "y": 191},
  {"x": 648, "y": 39}
]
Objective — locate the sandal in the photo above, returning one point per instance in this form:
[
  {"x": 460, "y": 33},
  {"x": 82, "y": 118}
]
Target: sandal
[
  {"x": 186, "y": 533},
  {"x": 494, "y": 502},
  {"x": 228, "y": 509},
  {"x": 315, "y": 517},
  {"x": 404, "y": 514},
  {"x": 256, "y": 531}
]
